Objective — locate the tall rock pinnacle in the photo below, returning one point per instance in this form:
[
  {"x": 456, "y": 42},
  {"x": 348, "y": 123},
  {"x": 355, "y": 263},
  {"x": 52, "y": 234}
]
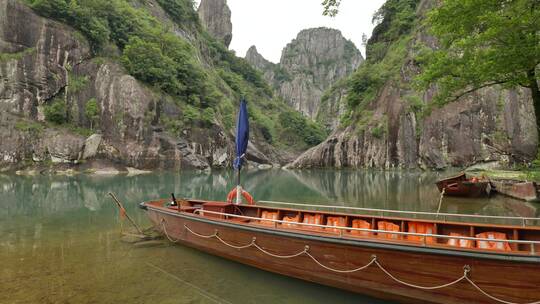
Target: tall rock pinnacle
[{"x": 215, "y": 15}]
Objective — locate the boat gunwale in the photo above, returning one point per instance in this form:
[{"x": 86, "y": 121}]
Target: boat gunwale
[
  {"x": 483, "y": 225},
  {"x": 456, "y": 176},
  {"x": 443, "y": 236},
  {"x": 354, "y": 241},
  {"x": 515, "y": 218}
]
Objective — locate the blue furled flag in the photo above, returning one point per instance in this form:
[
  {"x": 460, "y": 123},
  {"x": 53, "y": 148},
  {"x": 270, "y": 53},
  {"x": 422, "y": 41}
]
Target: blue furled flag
[{"x": 242, "y": 135}]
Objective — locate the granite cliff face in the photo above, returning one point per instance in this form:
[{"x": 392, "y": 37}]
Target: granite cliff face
[
  {"x": 309, "y": 65},
  {"x": 216, "y": 17},
  {"x": 476, "y": 129},
  {"x": 42, "y": 61},
  {"x": 492, "y": 124}
]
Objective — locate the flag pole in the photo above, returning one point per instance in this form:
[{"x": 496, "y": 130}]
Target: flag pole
[
  {"x": 242, "y": 138},
  {"x": 238, "y": 188}
]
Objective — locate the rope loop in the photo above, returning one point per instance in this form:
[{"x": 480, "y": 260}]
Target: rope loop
[
  {"x": 466, "y": 270},
  {"x": 374, "y": 261}
]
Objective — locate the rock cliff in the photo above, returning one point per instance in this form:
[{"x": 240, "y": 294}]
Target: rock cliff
[
  {"x": 216, "y": 17},
  {"x": 401, "y": 129},
  {"x": 309, "y": 65},
  {"x": 44, "y": 61}
]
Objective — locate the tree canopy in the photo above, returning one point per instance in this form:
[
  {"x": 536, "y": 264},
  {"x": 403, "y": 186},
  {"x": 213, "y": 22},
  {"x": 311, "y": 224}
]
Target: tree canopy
[
  {"x": 482, "y": 43},
  {"x": 331, "y": 7}
]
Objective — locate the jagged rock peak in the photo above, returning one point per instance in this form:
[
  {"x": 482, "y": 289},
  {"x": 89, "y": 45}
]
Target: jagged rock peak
[
  {"x": 215, "y": 15},
  {"x": 311, "y": 63},
  {"x": 256, "y": 59},
  {"x": 316, "y": 44}
]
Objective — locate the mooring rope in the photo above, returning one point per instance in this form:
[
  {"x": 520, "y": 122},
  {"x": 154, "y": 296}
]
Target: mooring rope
[
  {"x": 373, "y": 261},
  {"x": 201, "y": 291},
  {"x": 493, "y": 297},
  {"x": 466, "y": 270},
  {"x": 167, "y": 234}
]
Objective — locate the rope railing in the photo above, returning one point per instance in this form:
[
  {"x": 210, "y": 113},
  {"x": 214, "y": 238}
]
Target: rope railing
[
  {"x": 479, "y": 216},
  {"x": 346, "y": 229},
  {"x": 373, "y": 261}
]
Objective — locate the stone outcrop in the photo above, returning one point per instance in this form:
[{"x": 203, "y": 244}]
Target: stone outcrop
[
  {"x": 91, "y": 146},
  {"x": 309, "y": 65},
  {"x": 473, "y": 130},
  {"x": 215, "y": 15},
  {"x": 260, "y": 63},
  {"x": 37, "y": 55},
  {"x": 43, "y": 61},
  {"x": 492, "y": 124}
]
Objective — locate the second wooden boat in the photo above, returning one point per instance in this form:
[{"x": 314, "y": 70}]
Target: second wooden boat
[{"x": 460, "y": 185}]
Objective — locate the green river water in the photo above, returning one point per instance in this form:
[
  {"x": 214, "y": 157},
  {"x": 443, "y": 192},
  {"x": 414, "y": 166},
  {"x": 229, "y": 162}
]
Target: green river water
[{"x": 60, "y": 238}]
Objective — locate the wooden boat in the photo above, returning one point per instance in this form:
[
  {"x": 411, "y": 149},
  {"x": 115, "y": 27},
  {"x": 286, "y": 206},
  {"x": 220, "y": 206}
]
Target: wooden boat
[
  {"x": 523, "y": 190},
  {"x": 460, "y": 185},
  {"x": 392, "y": 257}
]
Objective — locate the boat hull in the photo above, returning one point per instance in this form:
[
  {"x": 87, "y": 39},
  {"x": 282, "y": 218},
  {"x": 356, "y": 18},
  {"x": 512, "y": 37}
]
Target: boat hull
[
  {"x": 515, "y": 281},
  {"x": 461, "y": 186}
]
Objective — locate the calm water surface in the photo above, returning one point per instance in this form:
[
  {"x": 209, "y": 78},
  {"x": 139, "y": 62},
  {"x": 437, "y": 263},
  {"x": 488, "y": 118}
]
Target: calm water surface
[{"x": 60, "y": 236}]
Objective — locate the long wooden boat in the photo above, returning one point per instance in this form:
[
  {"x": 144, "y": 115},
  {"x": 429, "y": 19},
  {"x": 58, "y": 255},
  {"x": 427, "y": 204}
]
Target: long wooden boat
[
  {"x": 523, "y": 190},
  {"x": 460, "y": 185},
  {"x": 392, "y": 257}
]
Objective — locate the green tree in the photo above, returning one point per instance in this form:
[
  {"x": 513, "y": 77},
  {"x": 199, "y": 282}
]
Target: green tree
[
  {"x": 91, "y": 110},
  {"x": 331, "y": 7},
  {"x": 146, "y": 61},
  {"x": 56, "y": 112},
  {"x": 483, "y": 43}
]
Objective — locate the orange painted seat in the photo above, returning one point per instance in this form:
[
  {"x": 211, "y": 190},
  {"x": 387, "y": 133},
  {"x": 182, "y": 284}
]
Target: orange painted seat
[
  {"x": 459, "y": 242},
  {"x": 314, "y": 219},
  {"x": 418, "y": 227},
  {"x": 493, "y": 245},
  {"x": 289, "y": 220},
  {"x": 361, "y": 224},
  {"x": 388, "y": 226},
  {"x": 335, "y": 221},
  {"x": 269, "y": 216}
]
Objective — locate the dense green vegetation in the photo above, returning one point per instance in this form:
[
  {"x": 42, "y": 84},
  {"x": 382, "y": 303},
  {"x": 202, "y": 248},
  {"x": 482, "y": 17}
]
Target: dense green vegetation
[
  {"x": 17, "y": 55},
  {"x": 91, "y": 110},
  {"x": 310, "y": 132},
  {"x": 482, "y": 43},
  {"x": 386, "y": 54},
  {"x": 200, "y": 75},
  {"x": 31, "y": 127},
  {"x": 394, "y": 19},
  {"x": 56, "y": 112}
]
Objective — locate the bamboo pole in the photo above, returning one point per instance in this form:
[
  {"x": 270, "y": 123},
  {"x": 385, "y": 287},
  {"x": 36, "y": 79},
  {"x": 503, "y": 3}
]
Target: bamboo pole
[
  {"x": 122, "y": 209},
  {"x": 440, "y": 201}
]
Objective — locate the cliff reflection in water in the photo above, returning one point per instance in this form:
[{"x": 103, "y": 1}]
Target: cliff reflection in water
[
  {"x": 59, "y": 235},
  {"x": 48, "y": 195}
]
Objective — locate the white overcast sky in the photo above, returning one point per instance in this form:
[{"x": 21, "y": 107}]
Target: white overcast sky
[{"x": 271, "y": 24}]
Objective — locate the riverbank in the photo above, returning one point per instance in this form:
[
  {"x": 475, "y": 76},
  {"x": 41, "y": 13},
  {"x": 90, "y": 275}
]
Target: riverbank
[{"x": 529, "y": 174}]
